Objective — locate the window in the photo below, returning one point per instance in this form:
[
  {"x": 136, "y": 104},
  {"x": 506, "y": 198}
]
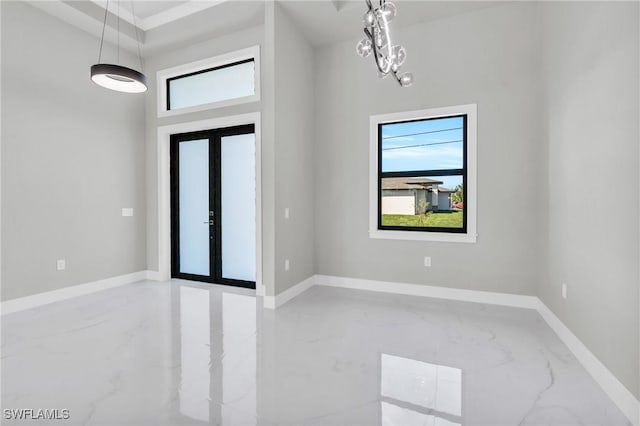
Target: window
[
  {"x": 216, "y": 82},
  {"x": 423, "y": 167}
]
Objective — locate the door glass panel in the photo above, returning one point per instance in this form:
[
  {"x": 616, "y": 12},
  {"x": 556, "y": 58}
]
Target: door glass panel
[
  {"x": 238, "y": 196},
  {"x": 194, "y": 207}
]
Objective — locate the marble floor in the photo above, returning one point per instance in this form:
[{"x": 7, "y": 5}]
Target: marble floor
[{"x": 186, "y": 353}]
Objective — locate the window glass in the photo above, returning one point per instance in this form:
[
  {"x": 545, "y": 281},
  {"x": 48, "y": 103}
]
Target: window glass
[
  {"x": 435, "y": 144},
  {"x": 422, "y": 177},
  {"x": 214, "y": 85}
]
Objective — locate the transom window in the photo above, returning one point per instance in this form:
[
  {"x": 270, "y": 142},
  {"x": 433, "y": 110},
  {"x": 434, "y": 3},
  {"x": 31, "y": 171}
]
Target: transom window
[
  {"x": 229, "y": 81},
  {"x": 224, "y": 80},
  {"x": 422, "y": 175}
]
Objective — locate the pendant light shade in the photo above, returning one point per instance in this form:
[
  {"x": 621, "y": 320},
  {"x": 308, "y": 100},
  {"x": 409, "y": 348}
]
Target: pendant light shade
[{"x": 117, "y": 77}]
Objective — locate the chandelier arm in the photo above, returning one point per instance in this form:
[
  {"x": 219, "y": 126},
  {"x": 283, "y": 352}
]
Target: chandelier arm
[
  {"x": 377, "y": 55},
  {"x": 104, "y": 25},
  {"x": 398, "y": 79},
  {"x": 389, "y": 44}
]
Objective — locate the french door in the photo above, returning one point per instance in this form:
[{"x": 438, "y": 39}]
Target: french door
[{"x": 213, "y": 210}]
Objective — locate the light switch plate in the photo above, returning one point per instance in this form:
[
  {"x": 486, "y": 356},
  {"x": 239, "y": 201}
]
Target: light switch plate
[
  {"x": 287, "y": 265},
  {"x": 61, "y": 265},
  {"x": 427, "y": 261},
  {"x": 127, "y": 211},
  {"x": 286, "y": 212}
]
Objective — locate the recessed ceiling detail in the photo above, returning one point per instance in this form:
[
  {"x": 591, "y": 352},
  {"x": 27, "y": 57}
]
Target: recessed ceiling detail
[{"x": 152, "y": 14}]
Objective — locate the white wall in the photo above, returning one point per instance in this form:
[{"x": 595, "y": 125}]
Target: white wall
[
  {"x": 487, "y": 57},
  {"x": 591, "y": 70},
  {"x": 294, "y": 149},
  {"x": 73, "y": 157}
]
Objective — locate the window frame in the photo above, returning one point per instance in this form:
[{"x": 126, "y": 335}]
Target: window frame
[
  {"x": 468, "y": 233},
  {"x": 163, "y": 78}
]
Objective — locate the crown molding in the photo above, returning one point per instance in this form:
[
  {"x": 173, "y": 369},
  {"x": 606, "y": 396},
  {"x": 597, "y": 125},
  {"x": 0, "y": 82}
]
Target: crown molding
[
  {"x": 178, "y": 12},
  {"x": 164, "y": 17}
]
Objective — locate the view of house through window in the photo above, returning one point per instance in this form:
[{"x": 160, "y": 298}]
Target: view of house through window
[{"x": 422, "y": 174}]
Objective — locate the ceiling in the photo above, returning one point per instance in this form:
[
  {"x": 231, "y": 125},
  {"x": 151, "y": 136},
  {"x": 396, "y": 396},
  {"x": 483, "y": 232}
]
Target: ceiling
[
  {"x": 325, "y": 22},
  {"x": 151, "y": 14},
  {"x": 145, "y": 9},
  {"x": 170, "y": 24}
]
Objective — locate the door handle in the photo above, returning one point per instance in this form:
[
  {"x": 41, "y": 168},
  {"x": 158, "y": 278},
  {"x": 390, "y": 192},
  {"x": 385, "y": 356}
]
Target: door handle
[{"x": 210, "y": 222}]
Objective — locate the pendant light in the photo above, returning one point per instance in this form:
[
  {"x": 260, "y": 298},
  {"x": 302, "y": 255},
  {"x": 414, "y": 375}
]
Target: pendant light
[{"x": 115, "y": 76}]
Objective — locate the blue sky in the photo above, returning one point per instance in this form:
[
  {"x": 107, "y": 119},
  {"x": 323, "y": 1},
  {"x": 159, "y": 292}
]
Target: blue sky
[{"x": 424, "y": 145}]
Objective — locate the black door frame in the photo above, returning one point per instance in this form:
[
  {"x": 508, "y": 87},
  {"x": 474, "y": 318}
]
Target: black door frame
[{"x": 215, "y": 204}]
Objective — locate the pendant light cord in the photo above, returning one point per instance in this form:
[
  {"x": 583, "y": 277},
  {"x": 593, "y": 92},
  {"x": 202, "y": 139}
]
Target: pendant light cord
[
  {"x": 135, "y": 28},
  {"x": 104, "y": 25},
  {"x": 118, "y": 32}
]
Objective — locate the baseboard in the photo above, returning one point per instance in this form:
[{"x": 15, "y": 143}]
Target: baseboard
[
  {"x": 40, "y": 299},
  {"x": 492, "y": 298},
  {"x": 274, "y": 302},
  {"x": 625, "y": 400}
]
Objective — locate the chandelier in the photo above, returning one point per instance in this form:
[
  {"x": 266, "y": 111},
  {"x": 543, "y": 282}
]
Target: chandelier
[
  {"x": 115, "y": 76},
  {"x": 389, "y": 57}
]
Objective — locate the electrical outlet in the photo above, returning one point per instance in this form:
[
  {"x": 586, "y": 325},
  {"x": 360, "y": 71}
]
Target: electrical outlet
[
  {"x": 427, "y": 261},
  {"x": 127, "y": 211},
  {"x": 564, "y": 291},
  {"x": 286, "y": 212},
  {"x": 61, "y": 265},
  {"x": 287, "y": 265}
]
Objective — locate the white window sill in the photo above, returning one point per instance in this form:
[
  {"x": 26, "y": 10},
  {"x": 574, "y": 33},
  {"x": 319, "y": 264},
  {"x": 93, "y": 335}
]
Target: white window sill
[
  {"x": 444, "y": 237},
  {"x": 213, "y": 105}
]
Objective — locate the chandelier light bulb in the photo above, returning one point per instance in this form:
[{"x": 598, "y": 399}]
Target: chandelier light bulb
[
  {"x": 364, "y": 48},
  {"x": 406, "y": 79},
  {"x": 399, "y": 54},
  {"x": 369, "y": 19},
  {"x": 389, "y": 10}
]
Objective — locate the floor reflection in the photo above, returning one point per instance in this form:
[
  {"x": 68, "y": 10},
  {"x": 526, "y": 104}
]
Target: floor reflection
[
  {"x": 419, "y": 393},
  {"x": 195, "y": 353},
  {"x": 217, "y": 336},
  {"x": 238, "y": 360}
]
